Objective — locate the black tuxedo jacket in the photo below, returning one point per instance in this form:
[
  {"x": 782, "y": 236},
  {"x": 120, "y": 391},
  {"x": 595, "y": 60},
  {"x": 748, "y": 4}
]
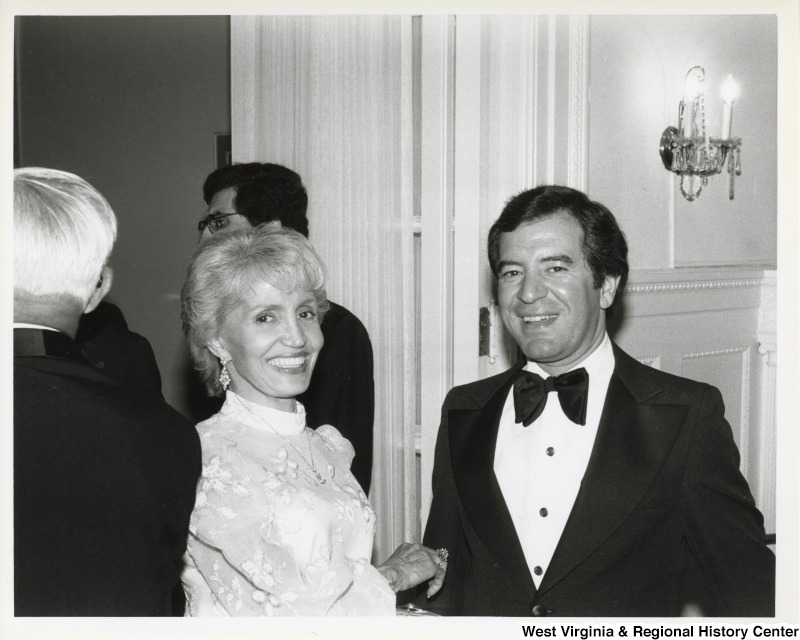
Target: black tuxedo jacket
[
  {"x": 663, "y": 520},
  {"x": 105, "y": 339},
  {"x": 104, "y": 483},
  {"x": 342, "y": 389}
]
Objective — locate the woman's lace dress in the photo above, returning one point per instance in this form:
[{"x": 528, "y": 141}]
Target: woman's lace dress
[{"x": 266, "y": 538}]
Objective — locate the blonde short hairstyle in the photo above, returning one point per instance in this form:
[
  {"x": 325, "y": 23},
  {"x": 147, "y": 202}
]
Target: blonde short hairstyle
[
  {"x": 223, "y": 270},
  {"x": 64, "y": 231}
]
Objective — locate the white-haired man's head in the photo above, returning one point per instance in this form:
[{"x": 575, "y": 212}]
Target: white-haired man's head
[{"x": 64, "y": 231}]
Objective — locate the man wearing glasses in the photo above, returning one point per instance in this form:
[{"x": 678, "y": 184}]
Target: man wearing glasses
[{"x": 342, "y": 391}]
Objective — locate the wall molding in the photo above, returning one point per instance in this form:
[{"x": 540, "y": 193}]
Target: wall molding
[
  {"x": 681, "y": 287},
  {"x": 578, "y": 133},
  {"x": 768, "y": 318},
  {"x": 550, "y": 98},
  {"x": 767, "y": 336},
  {"x": 651, "y": 361},
  {"x": 689, "y": 279},
  {"x": 745, "y": 436},
  {"x": 714, "y": 352},
  {"x": 437, "y": 86},
  {"x": 671, "y": 291},
  {"x": 529, "y": 133}
]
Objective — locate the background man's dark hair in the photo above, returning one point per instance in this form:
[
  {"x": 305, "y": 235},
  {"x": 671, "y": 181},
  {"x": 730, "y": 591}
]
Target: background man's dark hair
[
  {"x": 264, "y": 192},
  {"x": 604, "y": 245}
]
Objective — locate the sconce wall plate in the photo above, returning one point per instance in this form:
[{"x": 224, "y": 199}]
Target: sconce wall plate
[{"x": 665, "y": 149}]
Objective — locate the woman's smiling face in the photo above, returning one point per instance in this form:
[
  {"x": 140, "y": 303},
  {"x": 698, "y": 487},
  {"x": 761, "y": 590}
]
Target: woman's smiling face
[{"x": 273, "y": 339}]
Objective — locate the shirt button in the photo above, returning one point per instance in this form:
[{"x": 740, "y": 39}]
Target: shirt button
[
  {"x": 550, "y": 451},
  {"x": 543, "y": 512},
  {"x": 538, "y": 570}
]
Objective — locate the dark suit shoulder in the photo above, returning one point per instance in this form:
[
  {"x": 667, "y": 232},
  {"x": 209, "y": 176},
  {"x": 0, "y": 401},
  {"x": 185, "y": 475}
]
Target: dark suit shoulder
[
  {"x": 79, "y": 390},
  {"x": 123, "y": 354},
  {"x": 341, "y": 319},
  {"x": 472, "y": 394},
  {"x": 347, "y": 342},
  {"x": 105, "y": 315},
  {"x": 342, "y": 388},
  {"x": 654, "y": 385},
  {"x": 120, "y": 470}
]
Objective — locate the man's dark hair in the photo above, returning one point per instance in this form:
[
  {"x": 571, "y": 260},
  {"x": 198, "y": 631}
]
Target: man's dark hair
[
  {"x": 604, "y": 245},
  {"x": 264, "y": 192}
]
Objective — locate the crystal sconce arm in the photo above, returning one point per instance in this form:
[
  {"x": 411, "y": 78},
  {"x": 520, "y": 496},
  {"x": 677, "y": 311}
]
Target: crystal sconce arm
[{"x": 689, "y": 151}]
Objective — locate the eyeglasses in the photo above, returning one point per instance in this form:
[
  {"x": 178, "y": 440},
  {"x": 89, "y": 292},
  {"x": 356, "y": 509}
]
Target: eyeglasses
[{"x": 215, "y": 221}]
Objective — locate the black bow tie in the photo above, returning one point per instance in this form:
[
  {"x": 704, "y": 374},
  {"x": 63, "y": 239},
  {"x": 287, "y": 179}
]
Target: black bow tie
[{"x": 530, "y": 395}]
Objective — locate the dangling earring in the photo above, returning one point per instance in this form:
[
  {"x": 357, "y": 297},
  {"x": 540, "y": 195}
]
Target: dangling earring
[{"x": 224, "y": 376}]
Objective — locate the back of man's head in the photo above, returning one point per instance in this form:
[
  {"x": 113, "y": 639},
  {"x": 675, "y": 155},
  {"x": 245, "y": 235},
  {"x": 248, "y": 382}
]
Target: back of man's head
[
  {"x": 64, "y": 231},
  {"x": 264, "y": 192}
]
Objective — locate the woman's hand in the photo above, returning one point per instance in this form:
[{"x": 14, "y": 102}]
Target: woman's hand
[{"x": 412, "y": 564}]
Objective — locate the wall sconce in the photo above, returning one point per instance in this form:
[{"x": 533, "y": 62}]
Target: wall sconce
[{"x": 689, "y": 151}]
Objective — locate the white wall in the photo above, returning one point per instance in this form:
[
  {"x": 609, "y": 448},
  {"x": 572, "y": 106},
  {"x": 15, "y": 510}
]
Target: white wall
[{"x": 638, "y": 65}]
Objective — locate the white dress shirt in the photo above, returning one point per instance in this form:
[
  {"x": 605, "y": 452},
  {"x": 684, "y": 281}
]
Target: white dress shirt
[
  {"x": 28, "y": 325},
  {"x": 540, "y": 467}
]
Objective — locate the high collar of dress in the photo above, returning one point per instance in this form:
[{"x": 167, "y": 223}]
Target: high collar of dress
[{"x": 262, "y": 417}]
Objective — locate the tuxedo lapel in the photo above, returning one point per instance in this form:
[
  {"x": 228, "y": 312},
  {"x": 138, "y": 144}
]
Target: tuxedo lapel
[
  {"x": 634, "y": 437},
  {"x": 473, "y": 437}
]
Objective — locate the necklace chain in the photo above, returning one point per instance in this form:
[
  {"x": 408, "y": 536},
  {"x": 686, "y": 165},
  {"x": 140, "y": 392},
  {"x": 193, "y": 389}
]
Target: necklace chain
[{"x": 317, "y": 475}]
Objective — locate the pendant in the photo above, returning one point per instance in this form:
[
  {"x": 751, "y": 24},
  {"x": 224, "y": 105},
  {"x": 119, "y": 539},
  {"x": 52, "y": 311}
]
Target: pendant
[{"x": 318, "y": 476}]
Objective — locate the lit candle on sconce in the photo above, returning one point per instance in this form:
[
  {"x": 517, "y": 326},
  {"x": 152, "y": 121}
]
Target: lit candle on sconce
[{"x": 729, "y": 91}]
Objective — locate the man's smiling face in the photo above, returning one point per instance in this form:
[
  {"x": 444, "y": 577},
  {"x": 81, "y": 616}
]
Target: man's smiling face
[{"x": 546, "y": 292}]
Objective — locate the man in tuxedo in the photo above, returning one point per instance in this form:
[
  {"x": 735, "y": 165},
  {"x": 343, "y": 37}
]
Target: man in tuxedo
[
  {"x": 342, "y": 389},
  {"x": 104, "y": 474},
  {"x": 582, "y": 482}
]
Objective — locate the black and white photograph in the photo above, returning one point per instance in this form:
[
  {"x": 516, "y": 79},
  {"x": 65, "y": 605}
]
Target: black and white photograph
[{"x": 478, "y": 317}]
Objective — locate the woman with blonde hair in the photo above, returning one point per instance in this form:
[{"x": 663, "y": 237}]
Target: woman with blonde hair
[{"x": 280, "y": 525}]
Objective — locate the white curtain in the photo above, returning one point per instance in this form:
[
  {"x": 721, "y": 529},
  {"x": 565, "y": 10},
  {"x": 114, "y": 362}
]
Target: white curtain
[{"x": 330, "y": 97}]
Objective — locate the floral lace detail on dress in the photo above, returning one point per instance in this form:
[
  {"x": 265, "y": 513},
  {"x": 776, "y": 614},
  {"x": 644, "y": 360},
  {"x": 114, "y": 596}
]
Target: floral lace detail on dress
[{"x": 265, "y": 537}]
